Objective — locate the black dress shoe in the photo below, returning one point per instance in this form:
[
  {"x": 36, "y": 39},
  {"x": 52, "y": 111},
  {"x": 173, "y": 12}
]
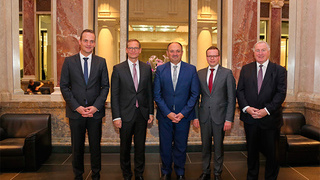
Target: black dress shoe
[
  {"x": 181, "y": 177},
  {"x": 204, "y": 176},
  {"x": 139, "y": 178},
  {"x": 217, "y": 177},
  {"x": 166, "y": 177}
]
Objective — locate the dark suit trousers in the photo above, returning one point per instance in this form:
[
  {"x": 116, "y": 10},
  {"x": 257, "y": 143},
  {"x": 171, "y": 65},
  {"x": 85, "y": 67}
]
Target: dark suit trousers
[
  {"x": 209, "y": 129},
  {"x": 173, "y": 145},
  {"x": 78, "y": 129},
  {"x": 267, "y": 142},
  {"x": 137, "y": 128}
]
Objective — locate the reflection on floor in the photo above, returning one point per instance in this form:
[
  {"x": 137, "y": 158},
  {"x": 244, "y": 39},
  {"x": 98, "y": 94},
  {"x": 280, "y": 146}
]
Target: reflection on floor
[{"x": 59, "y": 167}]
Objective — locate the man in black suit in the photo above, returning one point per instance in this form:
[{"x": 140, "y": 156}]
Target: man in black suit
[
  {"x": 84, "y": 85},
  {"x": 216, "y": 111},
  {"x": 132, "y": 107},
  {"x": 261, "y": 91}
]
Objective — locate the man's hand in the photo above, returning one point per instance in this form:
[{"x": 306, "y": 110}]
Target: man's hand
[
  {"x": 37, "y": 88},
  {"x": 172, "y": 116},
  {"x": 195, "y": 123},
  {"x": 117, "y": 123},
  {"x": 253, "y": 112},
  {"x": 179, "y": 117},
  {"x": 262, "y": 113},
  {"x": 150, "y": 120},
  {"x": 91, "y": 110},
  {"x": 83, "y": 111},
  {"x": 227, "y": 125}
]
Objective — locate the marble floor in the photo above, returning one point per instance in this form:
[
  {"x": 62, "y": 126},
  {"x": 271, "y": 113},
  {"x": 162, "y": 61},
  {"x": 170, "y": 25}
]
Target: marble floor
[{"x": 58, "y": 167}]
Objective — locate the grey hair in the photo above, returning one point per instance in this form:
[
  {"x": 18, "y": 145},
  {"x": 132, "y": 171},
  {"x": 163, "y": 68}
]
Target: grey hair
[{"x": 259, "y": 42}]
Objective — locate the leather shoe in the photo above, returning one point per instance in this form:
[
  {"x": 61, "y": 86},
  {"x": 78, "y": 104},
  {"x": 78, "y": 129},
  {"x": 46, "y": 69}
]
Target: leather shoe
[
  {"x": 204, "y": 176},
  {"x": 181, "y": 177},
  {"x": 166, "y": 177},
  {"x": 139, "y": 178},
  {"x": 217, "y": 177}
]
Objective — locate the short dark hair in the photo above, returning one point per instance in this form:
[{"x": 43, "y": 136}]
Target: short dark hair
[
  {"x": 31, "y": 81},
  {"x": 87, "y": 30},
  {"x": 172, "y": 43},
  {"x": 213, "y": 48},
  {"x": 131, "y": 40}
]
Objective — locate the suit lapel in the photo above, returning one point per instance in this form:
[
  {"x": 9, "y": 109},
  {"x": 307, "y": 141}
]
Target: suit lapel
[
  {"x": 268, "y": 75},
  {"x": 216, "y": 79},
  {"x": 180, "y": 76},
  {"x": 78, "y": 65},
  {"x": 93, "y": 68},
  {"x": 128, "y": 74},
  {"x": 254, "y": 76},
  {"x": 142, "y": 71},
  {"x": 203, "y": 80}
]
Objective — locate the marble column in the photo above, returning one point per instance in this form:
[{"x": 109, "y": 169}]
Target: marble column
[
  {"x": 69, "y": 28},
  {"x": 29, "y": 51},
  {"x": 275, "y": 30},
  {"x": 244, "y": 33}
]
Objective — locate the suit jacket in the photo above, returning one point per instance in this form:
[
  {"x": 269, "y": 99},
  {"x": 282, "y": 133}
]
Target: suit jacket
[
  {"x": 124, "y": 95},
  {"x": 220, "y": 103},
  {"x": 183, "y": 98},
  {"x": 272, "y": 94},
  {"x": 76, "y": 92}
]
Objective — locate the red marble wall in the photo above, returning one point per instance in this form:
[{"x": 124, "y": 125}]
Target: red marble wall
[
  {"x": 275, "y": 35},
  {"x": 28, "y": 37},
  {"x": 244, "y": 34},
  {"x": 69, "y": 27}
]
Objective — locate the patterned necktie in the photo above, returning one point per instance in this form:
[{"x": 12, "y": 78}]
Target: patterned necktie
[
  {"x": 260, "y": 78},
  {"x": 85, "y": 69},
  {"x": 135, "y": 81},
  {"x": 174, "y": 80},
  {"x": 210, "y": 80}
]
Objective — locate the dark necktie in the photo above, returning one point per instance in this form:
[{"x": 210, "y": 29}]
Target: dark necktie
[
  {"x": 210, "y": 80},
  {"x": 85, "y": 69},
  {"x": 260, "y": 78},
  {"x": 135, "y": 80}
]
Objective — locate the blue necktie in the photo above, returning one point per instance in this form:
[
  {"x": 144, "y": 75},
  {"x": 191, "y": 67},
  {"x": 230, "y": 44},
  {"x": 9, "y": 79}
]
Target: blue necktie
[{"x": 85, "y": 69}]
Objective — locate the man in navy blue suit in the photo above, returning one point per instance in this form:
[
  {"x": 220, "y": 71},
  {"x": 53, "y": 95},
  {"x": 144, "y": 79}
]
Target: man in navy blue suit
[{"x": 176, "y": 91}]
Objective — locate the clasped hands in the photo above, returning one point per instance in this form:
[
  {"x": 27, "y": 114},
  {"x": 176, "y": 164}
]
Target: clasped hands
[
  {"x": 86, "y": 111},
  {"x": 118, "y": 123},
  {"x": 256, "y": 113},
  {"x": 175, "y": 118}
]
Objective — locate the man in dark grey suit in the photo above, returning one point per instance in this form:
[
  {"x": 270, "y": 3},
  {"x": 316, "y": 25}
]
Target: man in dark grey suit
[
  {"x": 216, "y": 110},
  {"x": 262, "y": 89},
  {"x": 132, "y": 107},
  {"x": 84, "y": 85}
]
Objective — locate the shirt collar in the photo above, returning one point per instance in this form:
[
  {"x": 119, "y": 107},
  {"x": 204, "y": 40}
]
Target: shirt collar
[
  {"x": 131, "y": 63},
  {"x": 215, "y": 67},
  {"x": 265, "y": 64},
  {"x": 82, "y": 56},
  {"x": 179, "y": 64}
]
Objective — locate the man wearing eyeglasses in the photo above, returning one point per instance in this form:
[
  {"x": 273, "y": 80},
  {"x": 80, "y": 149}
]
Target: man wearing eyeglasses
[
  {"x": 132, "y": 107},
  {"x": 215, "y": 112},
  {"x": 262, "y": 88}
]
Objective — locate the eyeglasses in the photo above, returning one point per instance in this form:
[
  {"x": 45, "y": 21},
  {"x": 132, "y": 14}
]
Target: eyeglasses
[
  {"x": 133, "y": 48},
  {"x": 213, "y": 56}
]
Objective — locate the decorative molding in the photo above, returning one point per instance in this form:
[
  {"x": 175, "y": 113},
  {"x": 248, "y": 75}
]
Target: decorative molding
[
  {"x": 205, "y": 9},
  {"x": 277, "y": 4},
  {"x": 104, "y": 8},
  {"x": 173, "y": 7},
  {"x": 139, "y": 7}
]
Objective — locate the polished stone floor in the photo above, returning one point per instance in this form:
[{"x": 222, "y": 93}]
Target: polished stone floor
[{"x": 58, "y": 167}]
